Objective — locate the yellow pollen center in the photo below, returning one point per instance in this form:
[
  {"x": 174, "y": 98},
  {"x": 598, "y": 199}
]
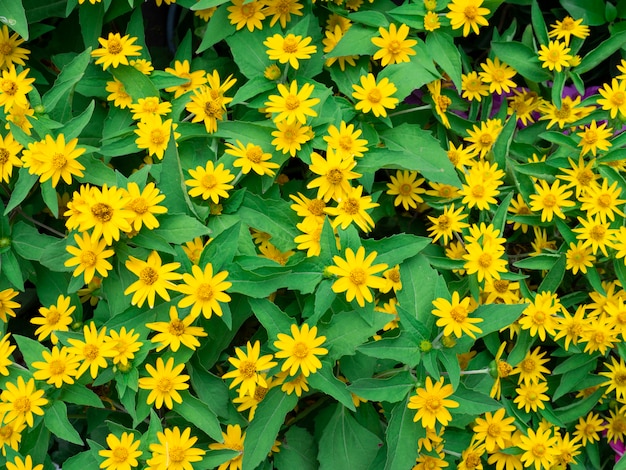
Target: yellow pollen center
[
  {"x": 501, "y": 286},
  {"x": 394, "y": 47},
  {"x": 58, "y": 160},
  {"x": 176, "y": 328},
  {"x": 597, "y": 233},
  {"x": 9, "y": 87},
  {"x": 486, "y": 140},
  {"x": 358, "y": 276},
  {"x": 443, "y": 102},
  {"x": 493, "y": 430},
  {"x": 334, "y": 176},
  {"x": 57, "y": 367},
  {"x": 478, "y": 190},
  {"x": 21, "y": 405},
  {"x": 433, "y": 404},
  {"x": 485, "y": 260},
  {"x": 618, "y": 98},
  {"x": 259, "y": 395},
  {"x": 585, "y": 177},
  {"x": 247, "y": 11},
  {"x": 554, "y": 55},
  {"x": 4, "y": 156},
  {"x": 374, "y": 95},
  {"x": 567, "y": 24},
  {"x": 539, "y": 450},
  {"x": 102, "y": 212},
  {"x": 498, "y": 76},
  {"x": 473, "y": 85},
  {"x": 290, "y": 45},
  {"x": 213, "y": 109},
  {"x": 88, "y": 258},
  {"x": 472, "y": 461},
  {"x": 316, "y": 207},
  {"x": 176, "y": 455},
  {"x": 6, "y": 48},
  {"x": 300, "y": 350},
  {"x": 504, "y": 369},
  {"x": 443, "y": 222},
  {"x": 620, "y": 379},
  {"x": 394, "y": 275},
  {"x": 591, "y": 137},
  {"x": 114, "y": 46},
  {"x": 120, "y": 454},
  {"x": 204, "y": 292},
  {"x": 539, "y": 317},
  {"x": 564, "y": 112},
  {"x": 292, "y": 102},
  {"x": 53, "y": 317},
  {"x": 247, "y": 369},
  {"x": 254, "y": 154},
  {"x": 139, "y": 205},
  {"x": 470, "y": 12},
  {"x": 149, "y": 276},
  {"x": 157, "y": 137},
  {"x": 528, "y": 365},
  {"x": 405, "y": 189},
  {"x": 345, "y": 143},
  {"x": 549, "y": 200},
  {"x": 605, "y": 201},
  {"x": 351, "y": 206},
  {"x": 6, "y": 432},
  {"x": 91, "y": 352},
  {"x": 164, "y": 384},
  {"x": 458, "y": 314},
  {"x": 209, "y": 181},
  {"x": 150, "y": 106}
]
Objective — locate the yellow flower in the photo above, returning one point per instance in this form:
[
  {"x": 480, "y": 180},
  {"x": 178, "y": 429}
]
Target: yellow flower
[
  {"x": 292, "y": 104},
  {"x": 484, "y": 137},
  {"x": 580, "y": 175},
  {"x": 478, "y": 192},
  {"x": 445, "y": 225},
  {"x": 93, "y": 351},
  {"x": 251, "y": 157},
  {"x": 467, "y": 14},
  {"x": 531, "y": 368},
  {"x": 309, "y": 208},
  {"x": 210, "y": 182},
  {"x": 374, "y": 97},
  {"x": 311, "y": 234},
  {"x": 335, "y": 175},
  {"x": 7, "y": 304},
  {"x": 154, "y": 278},
  {"x": 56, "y": 159},
  {"x": 616, "y": 376},
  {"x": 174, "y": 450},
  {"x": 394, "y": 46},
  {"x": 540, "y": 316},
  {"x": 431, "y": 21},
  {"x": 249, "y": 15},
  {"x": 555, "y": 56},
  {"x": 593, "y": 138},
  {"x": 14, "y": 87},
  {"x": 296, "y": 385},
  {"x": 124, "y": 345},
  {"x": 6, "y": 348},
  {"x": 539, "y": 449},
  {"x": 103, "y": 210},
  {"x": 10, "y": 436},
  {"x": 290, "y": 137},
  {"x": 494, "y": 429},
  {"x": 550, "y": 200},
  {"x": 568, "y": 112},
  {"x": 19, "y": 115},
  {"x": 57, "y": 317},
  {"x": 356, "y": 275},
  {"x": 272, "y": 72},
  {"x": 164, "y": 382},
  {"x": 58, "y": 367},
  {"x": 26, "y": 464},
  {"x": 143, "y": 204},
  {"x": 345, "y": 140},
  {"x": 289, "y": 49},
  {"x": 472, "y": 87},
  {"x": 569, "y": 27},
  {"x": 204, "y": 291},
  {"x": 602, "y": 201},
  {"x": 10, "y": 50},
  {"x": 122, "y": 453},
  {"x": 9, "y": 149},
  {"x": 595, "y": 233},
  {"x": 405, "y": 185},
  {"x": 588, "y": 429},
  {"x": 454, "y": 316},
  {"x": 524, "y": 104},
  {"x": 351, "y": 208},
  {"x": 118, "y": 95},
  {"x": 206, "y": 109},
  {"x": 485, "y": 261},
  {"x": 440, "y": 101},
  {"x": 143, "y": 65},
  {"x": 248, "y": 367},
  {"x": 115, "y": 50},
  {"x": 150, "y": 106},
  {"x": 154, "y": 135},
  {"x": 579, "y": 258},
  {"x": 176, "y": 332},
  {"x": 20, "y": 401},
  {"x": 233, "y": 440},
  {"x": 432, "y": 403},
  {"x": 498, "y": 75},
  {"x": 300, "y": 350},
  {"x": 282, "y": 11},
  {"x": 183, "y": 70},
  {"x": 90, "y": 256},
  {"x": 330, "y": 41}
]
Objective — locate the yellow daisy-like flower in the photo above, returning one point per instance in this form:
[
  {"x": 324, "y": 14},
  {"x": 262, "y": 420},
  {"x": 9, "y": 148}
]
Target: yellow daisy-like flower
[
  {"x": 176, "y": 332},
  {"x": 56, "y": 159},
  {"x": 10, "y": 50},
  {"x": 472, "y": 87},
  {"x": 568, "y": 112},
  {"x": 204, "y": 291},
  {"x": 300, "y": 350},
  {"x": 59, "y": 366},
  {"x": 249, "y": 14},
  {"x": 539, "y": 449},
  {"x": 115, "y": 50},
  {"x": 194, "y": 248},
  {"x": 555, "y": 56},
  {"x": 251, "y": 157},
  {"x": 431, "y": 21},
  {"x": 440, "y": 101},
  {"x": 20, "y": 401},
  {"x": 122, "y": 453},
  {"x": 330, "y": 41},
  {"x": 311, "y": 235},
  {"x": 289, "y": 138},
  {"x": 292, "y": 104},
  {"x": 594, "y": 138},
  {"x": 248, "y": 367},
  {"x": 233, "y": 440},
  {"x": 289, "y": 49},
  {"x": 494, "y": 429},
  {"x": 143, "y": 204},
  {"x": 164, "y": 382},
  {"x": 183, "y": 70},
  {"x": 374, "y": 97},
  {"x": 567, "y": 28},
  {"x": 603, "y": 201},
  {"x": 335, "y": 175},
  {"x": 394, "y": 46},
  {"x": 9, "y": 149},
  {"x": 282, "y": 11},
  {"x": 25, "y": 464},
  {"x": 616, "y": 376},
  {"x": 154, "y": 278},
  {"x": 174, "y": 450},
  {"x": 309, "y": 208},
  {"x": 613, "y": 97},
  {"x": 14, "y": 87},
  {"x": 588, "y": 429},
  {"x": 581, "y": 176},
  {"x": 498, "y": 75},
  {"x": 595, "y": 233},
  {"x": 540, "y": 316},
  {"x": 118, "y": 94},
  {"x": 124, "y": 345},
  {"x": 406, "y": 186},
  {"x": 356, "y": 275},
  {"x": 19, "y": 115},
  {"x": 143, "y": 65},
  {"x": 531, "y": 368},
  {"x": 579, "y": 257},
  {"x": 454, "y": 316},
  {"x": 484, "y": 137},
  {"x": 345, "y": 140},
  {"x": 154, "y": 135},
  {"x": 467, "y": 14},
  {"x": 432, "y": 403},
  {"x": 89, "y": 256},
  {"x": 105, "y": 212},
  {"x": 447, "y": 224},
  {"x": 550, "y": 200},
  {"x": 150, "y": 106},
  {"x": 205, "y": 108},
  {"x": 210, "y": 182},
  {"x": 93, "y": 351},
  {"x": 524, "y": 104},
  {"x": 485, "y": 261},
  {"x": 57, "y": 317},
  {"x": 10, "y": 436},
  {"x": 351, "y": 208},
  {"x": 6, "y": 349}
]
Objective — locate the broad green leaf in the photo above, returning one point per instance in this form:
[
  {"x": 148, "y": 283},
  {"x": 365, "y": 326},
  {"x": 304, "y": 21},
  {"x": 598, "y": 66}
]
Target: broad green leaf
[
  {"x": 356, "y": 41},
  {"x": 135, "y": 83},
  {"x": 298, "y": 450},
  {"x": 218, "y": 28},
  {"x": 348, "y": 330},
  {"x": 176, "y": 228},
  {"x": 590, "y": 11},
  {"x": 273, "y": 319},
  {"x": 408, "y": 76},
  {"x": 28, "y": 242},
  {"x": 73, "y": 128},
  {"x": 15, "y": 17},
  {"x": 539, "y": 24},
  {"x": 392, "y": 390},
  {"x": 539, "y": 262},
  {"x": 80, "y": 395},
  {"x": 346, "y": 444},
  {"x": 396, "y": 248},
  {"x": 503, "y": 142},
  {"x": 403, "y": 348},
  {"x": 91, "y": 20},
  {"x": 211, "y": 389},
  {"x": 199, "y": 414},
  {"x": 214, "y": 458},
  {"x": 472, "y": 403},
  {"x": 31, "y": 350},
  {"x": 420, "y": 151},
  {"x": 262, "y": 431},
  {"x": 602, "y": 52},
  {"x": 401, "y": 436},
  {"x": 522, "y": 58},
  {"x": 324, "y": 381},
  {"x": 61, "y": 91},
  {"x": 56, "y": 421},
  {"x": 569, "y": 413},
  {"x": 553, "y": 279},
  {"x": 25, "y": 182},
  {"x": 249, "y": 52},
  {"x": 253, "y": 87},
  {"x": 81, "y": 461},
  {"x": 571, "y": 380},
  {"x": 221, "y": 251},
  {"x": 11, "y": 270},
  {"x": 446, "y": 54}
]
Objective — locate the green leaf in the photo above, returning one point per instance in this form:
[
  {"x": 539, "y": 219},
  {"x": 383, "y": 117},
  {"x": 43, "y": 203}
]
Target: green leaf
[
  {"x": 570, "y": 413},
  {"x": 348, "y": 330},
  {"x": 199, "y": 414},
  {"x": 552, "y": 280},
  {"x": 262, "y": 431},
  {"x": 253, "y": 87},
  {"x": 80, "y": 395},
  {"x": 401, "y": 436},
  {"x": 96, "y": 172},
  {"x": 503, "y": 142},
  {"x": 422, "y": 152},
  {"x": 75, "y": 126},
  {"x": 25, "y": 182},
  {"x": 472, "y": 403},
  {"x": 298, "y": 450},
  {"x": 81, "y": 461},
  {"x": 571, "y": 380},
  {"x": 28, "y": 242},
  {"x": 135, "y": 83},
  {"x": 15, "y": 17},
  {"x": 217, "y": 29},
  {"x": 396, "y": 248},
  {"x": 273, "y": 319},
  {"x": 590, "y": 11},
  {"x": 324, "y": 381},
  {"x": 55, "y": 419},
  {"x": 403, "y": 348},
  {"x": 539, "y": 24},
  {"x": 31, "y": 350},
  {"x": 249, "y": 52},
  {"x": 214, "y": 458},
  {"x": 346, "y": 444},
  {"x": 392, "y": 390},
  {"x": 410, "y": 75},
  {"x": 522, "y": 58},
  {"x": 540, "y": 262},
  {"x": 11, "y": 270},
  {"x": 356, "y": 41},
  {"x": 446, "y": 54},
  {"x": 602, "y": 52},
  {"x": 221, "y": 251},
  {"x": 64, "y": 85},
  {"x": 175, "y": 228}
]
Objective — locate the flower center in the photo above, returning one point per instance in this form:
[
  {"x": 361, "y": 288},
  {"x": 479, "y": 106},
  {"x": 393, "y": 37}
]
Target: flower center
[
  {"x": 443, "y": 222},
  {"x": 58, "y": 160},
  {"x": 501, "y": 286},
  {"x": 539, "y": 317},
  {"x": 300, "y": 350},
  {"x": 478, "y": 191},
  {"x": 213, "y": 109},
  {"x": 374, "y": 95},
  {"x": 6, "y": 432},
  {"x": 597, "y": 233},
  {"x": 585, "y": 177},
  {"x": 394, "y": 275},
  {"x": 351, "y": 206},
  {"x": 114, "y": 46},
  {"x": 394, "y": 47},
  {"x": 549, "y": 200},
  {"x": 9, "y": 87},
  {"x": 290, "y": 45},
  {"x": 150, "y": 106},
  {"x": 539, "y": 450},
  {"x": 605, "y": 201},
  {"x": 149, "y": 276},
  {"x": 205, "y": 292},
  {"x": 176, "y": 454},
  {"x": 334, "y": 176},
  {"x": 485, "y": 260},
  {"x": 254, "y": 154},
  {"x": 102, "y": 212},
  {"x": 259, "y": 394},
  {"x": 528, "y": 365},
  {"x": 4, "y": 156},
  {"x": 433, "y": 404},
  {"x": 139, "y": 205},
  {"x": 486, "y": 140},
  {"x": 618, "y": 98},
  {"x": 620, "y": 379},
  {"x": 470, "y": 12},
  {"x": 504, "y": 369},
  {"x": 292, "y": 102},
  {"x": 458, "y": 314},
  {"x": 53, "y": 317},
  {"x": 21, "y": 405},
  {"x": 358, "y": 276},
  {"x": 120, "y": 454},
  {"x": 176, "y": 328},
  {"x": 493, "y": 430},
  {"x": 6, "y": 48},
  {"x": 345, "y": 143},
  {"x": 591, "y": 137},
  {"x": 164, "y": 384},
  {"x": 316, "y": 207},
  {"x": 247, "y": 11},
  {"x": 247, "y": 369},
  {"x": 564, "y": 112},
  {"x": 209, "y": 181},
  {"x": 443, "y": 102},
  {"x": 88, "y": 258},
  {"x": 157, "y": 137},
  {"x": 91, "y": 352}
]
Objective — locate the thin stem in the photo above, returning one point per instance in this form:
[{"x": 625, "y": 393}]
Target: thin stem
[
  {"x": 410, "y": 110},
  {"x": 283, "y": 79},
  {"x": 237, "y": 177},
  {"x": 452, "y": 453},
  {"x": 475, "y": 372},
  {"x": 188, "y": 118},
  {"x": 42, "y": 225}
]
